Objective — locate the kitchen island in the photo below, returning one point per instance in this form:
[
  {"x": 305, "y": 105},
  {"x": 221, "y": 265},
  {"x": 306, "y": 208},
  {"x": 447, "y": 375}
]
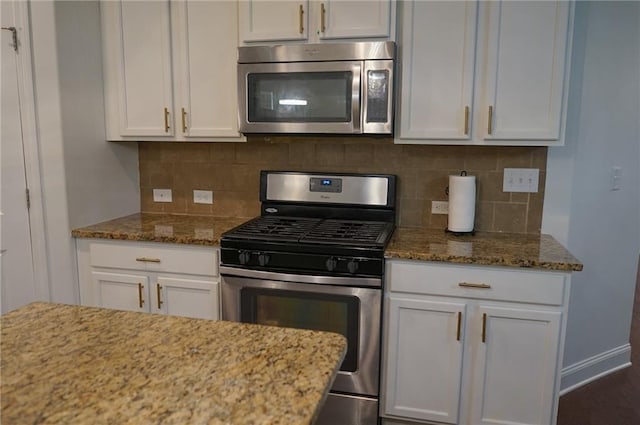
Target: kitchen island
[{"x": 78, "y": 365}]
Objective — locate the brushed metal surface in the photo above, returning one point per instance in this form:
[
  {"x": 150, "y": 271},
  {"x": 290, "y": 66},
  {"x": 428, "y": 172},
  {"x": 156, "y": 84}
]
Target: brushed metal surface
[
  {"x": 345, "y": 409},
  {"x": 365, "y": 379},
  {"x": 360, "y": 190},
  {"x": 317, "y": 52}
]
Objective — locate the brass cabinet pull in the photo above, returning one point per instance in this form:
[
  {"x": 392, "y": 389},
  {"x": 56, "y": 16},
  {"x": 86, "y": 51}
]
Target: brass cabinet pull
[
  {"x": 474, "y": 285},
  {"x": 484, "y": 327},
  {"x": 148, "y": 260},
  {"x": 459, "y": 326},
  {"x": 159, "y": 289},
  {"x": 166, "y": 120},
  {"x": 184, "y": 121},
  {"x": 140, "y": 299},
  {"x": 323, "y": 12},
  {"x": 301, "y": 19},
  {"x": 466, "y": 120},
  {"x": 490, "y": 121}
]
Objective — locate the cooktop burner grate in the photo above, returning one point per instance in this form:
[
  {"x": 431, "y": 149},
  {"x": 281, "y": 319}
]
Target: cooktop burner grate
[
  {"x": 278, "y": 228},
  {"x": 348, "y": 232}
]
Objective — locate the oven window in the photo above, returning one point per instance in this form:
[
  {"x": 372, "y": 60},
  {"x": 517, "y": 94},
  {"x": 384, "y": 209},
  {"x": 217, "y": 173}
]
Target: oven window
[
  {"x": 300, "y": 97},
  {"x": 306, "y": 310}
]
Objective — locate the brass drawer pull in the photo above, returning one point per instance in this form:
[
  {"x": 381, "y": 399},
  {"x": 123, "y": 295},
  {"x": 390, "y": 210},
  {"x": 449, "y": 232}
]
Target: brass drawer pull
[
  {"x": 474, "y": 285},
  {"x": 166, "y": 120},
  {"x": 459, "y": 326},
  {"x": 484, "y": 327},
  {"x": 490, "y": 123},
  {"x": 184, "y": 121},
  {"x": 323, "y": 12},
  {"x": 159, "y": 290},
  {"x": 301, "y": 19},
  {"x": 140, "y": 299},
  {"x": 466, "y": 120},
  {"x": 148, "y": 260}
]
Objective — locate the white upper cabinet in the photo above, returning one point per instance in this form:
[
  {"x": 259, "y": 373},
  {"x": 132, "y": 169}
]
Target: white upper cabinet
[
  {"x": 262, "y": 20},
  {"x": 170, "y": 70},
  {"x": 139, "y": 33},
  {"x": 522, "y": 69},
  {"x": 316, "y": 21},
  {"x": 492, "y": 73},
  {"x": 437, "y": 47}
]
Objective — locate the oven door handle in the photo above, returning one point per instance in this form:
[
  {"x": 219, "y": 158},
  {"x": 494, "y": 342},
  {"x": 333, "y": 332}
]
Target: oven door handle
[{"x": 302, "y": 278}]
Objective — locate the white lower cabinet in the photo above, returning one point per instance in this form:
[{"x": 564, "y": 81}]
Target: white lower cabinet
[
  {"x": 472, "y": 345},
  {"x": 150, "y": 277}
]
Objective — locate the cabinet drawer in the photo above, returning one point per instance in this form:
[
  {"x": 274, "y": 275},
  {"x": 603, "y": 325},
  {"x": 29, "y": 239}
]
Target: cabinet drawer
[
  {"x": 490, "y": 283},
  {"x": 154, "y": 257}
]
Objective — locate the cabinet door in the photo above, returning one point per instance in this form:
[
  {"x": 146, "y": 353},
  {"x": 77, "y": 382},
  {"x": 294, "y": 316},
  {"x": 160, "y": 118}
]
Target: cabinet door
[
  {"x": 121, "y": 291},
  {"x": 267, "y": 20},
  {"x": 424, "y": 359},
  {"x": 515, "y": 366},
  {"x": 523, "y": 69},
  {"x": 138, "y": 41},
  {"x": 186, "y": 297},
  {"x": 205, "y": 34},
  {"x": 353, "y": 19},
  {"x": 437, "y": 46}
]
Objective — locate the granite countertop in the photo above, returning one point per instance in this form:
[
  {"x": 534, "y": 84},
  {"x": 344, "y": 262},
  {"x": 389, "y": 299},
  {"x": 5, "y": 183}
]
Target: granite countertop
[
  {"x": 483, "y": 248},
  {"x": 152, "y": 227},
  {"x": 65, "y": 364}
]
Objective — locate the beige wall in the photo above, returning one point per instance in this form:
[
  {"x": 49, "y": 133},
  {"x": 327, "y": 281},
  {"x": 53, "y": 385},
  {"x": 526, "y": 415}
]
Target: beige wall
[{"x": 231, "y": 171}]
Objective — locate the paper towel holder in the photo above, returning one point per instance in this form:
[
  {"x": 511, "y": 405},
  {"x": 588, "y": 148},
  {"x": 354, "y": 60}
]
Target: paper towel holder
[{"x": 472, "y": 232}]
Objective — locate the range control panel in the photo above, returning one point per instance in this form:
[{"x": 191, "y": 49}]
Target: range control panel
[{"x": 325, "y": 184}]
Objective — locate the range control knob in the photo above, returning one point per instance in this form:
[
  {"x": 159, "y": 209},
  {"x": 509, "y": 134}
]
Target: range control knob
[
  {"x": 263, "y": 259},
  {"x": 243, "y": 257},
  {"x": 352, "y": 266},
  {"x": 331, "y": 263}
]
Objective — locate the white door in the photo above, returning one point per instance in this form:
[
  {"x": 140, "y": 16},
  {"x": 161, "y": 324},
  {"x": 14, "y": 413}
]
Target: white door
[
  {"x": 186, "y": 297},
  {"x": 424, "y": 359},
  {"x": 523, "y": 66},
  {"x": 206, "y": 43},
  {"x": 122, "y": 291},
  {"x": 437, "y": 46},
  {"x": 514, "y": 366},
  {"x": 267, "y": 20},
  {"x": 353, "y": 19},
  {"x": 17, "y": 280}
]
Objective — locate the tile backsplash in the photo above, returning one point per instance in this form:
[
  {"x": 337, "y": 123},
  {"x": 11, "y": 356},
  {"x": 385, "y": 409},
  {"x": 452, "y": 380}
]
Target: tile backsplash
[{"x": 231, "y": 171}]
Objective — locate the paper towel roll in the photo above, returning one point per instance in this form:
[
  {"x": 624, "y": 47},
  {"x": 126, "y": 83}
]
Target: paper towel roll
[{"x": 462, "y": 203}]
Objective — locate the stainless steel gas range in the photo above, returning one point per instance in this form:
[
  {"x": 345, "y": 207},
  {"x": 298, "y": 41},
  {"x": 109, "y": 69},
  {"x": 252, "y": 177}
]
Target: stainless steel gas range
[{"x": 314, "y": 259}]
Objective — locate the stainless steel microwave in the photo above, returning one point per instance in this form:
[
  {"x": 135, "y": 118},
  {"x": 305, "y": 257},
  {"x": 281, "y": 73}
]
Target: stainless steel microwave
[{"x": 331, "y": 88}]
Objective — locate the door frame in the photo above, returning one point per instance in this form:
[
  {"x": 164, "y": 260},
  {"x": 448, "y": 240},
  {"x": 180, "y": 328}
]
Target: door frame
[{"x": 30, "y": 141}]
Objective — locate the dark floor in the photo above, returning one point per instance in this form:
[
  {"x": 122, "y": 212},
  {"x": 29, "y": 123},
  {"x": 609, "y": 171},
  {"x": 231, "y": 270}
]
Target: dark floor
[{"x": 614, "y": 399}]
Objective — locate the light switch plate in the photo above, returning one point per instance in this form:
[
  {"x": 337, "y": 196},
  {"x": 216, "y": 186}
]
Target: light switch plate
[
  {"x": 521, "y": 180},
  {"x": 162, "y": 195}
]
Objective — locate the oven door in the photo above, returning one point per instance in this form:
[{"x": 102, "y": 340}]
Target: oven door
[
  {"x": 300, "y": 97},
  {"x": 252, "y": 296}
]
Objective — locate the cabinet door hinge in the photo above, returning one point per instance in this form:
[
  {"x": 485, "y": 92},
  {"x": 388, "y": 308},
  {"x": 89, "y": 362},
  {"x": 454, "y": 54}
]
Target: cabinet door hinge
[
  {"x": 14, "y": 33},
  {"x": 28, "y": 199}
]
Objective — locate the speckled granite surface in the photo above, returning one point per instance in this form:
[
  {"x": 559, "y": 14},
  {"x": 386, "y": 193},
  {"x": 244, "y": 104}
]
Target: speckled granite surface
[
  {"x": 80, "y": 365},
  {"x": 184, "y": 229},
  {"x": 497, "y": 249}
]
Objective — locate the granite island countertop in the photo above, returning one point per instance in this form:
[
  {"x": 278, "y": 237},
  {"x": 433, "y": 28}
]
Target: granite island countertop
[
  {"x": 483, "y": 248},
  {"x": 85, "y": 365}
]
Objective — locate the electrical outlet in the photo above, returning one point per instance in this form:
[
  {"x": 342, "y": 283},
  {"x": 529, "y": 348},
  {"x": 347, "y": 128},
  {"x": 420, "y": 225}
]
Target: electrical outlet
[
  {"x": 520, "y": 180},
  {"x": 202, "y": 197},
  {"x": 439, "y": 207},
  {"x": 162, "y": 195}
]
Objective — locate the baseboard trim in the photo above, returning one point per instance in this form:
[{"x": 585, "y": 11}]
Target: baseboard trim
[{"x": 594, "y": 368}]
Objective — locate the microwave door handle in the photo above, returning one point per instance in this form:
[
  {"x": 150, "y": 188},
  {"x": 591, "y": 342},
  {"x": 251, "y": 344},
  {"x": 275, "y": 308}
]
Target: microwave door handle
[{"x": 357, "y": 94}]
